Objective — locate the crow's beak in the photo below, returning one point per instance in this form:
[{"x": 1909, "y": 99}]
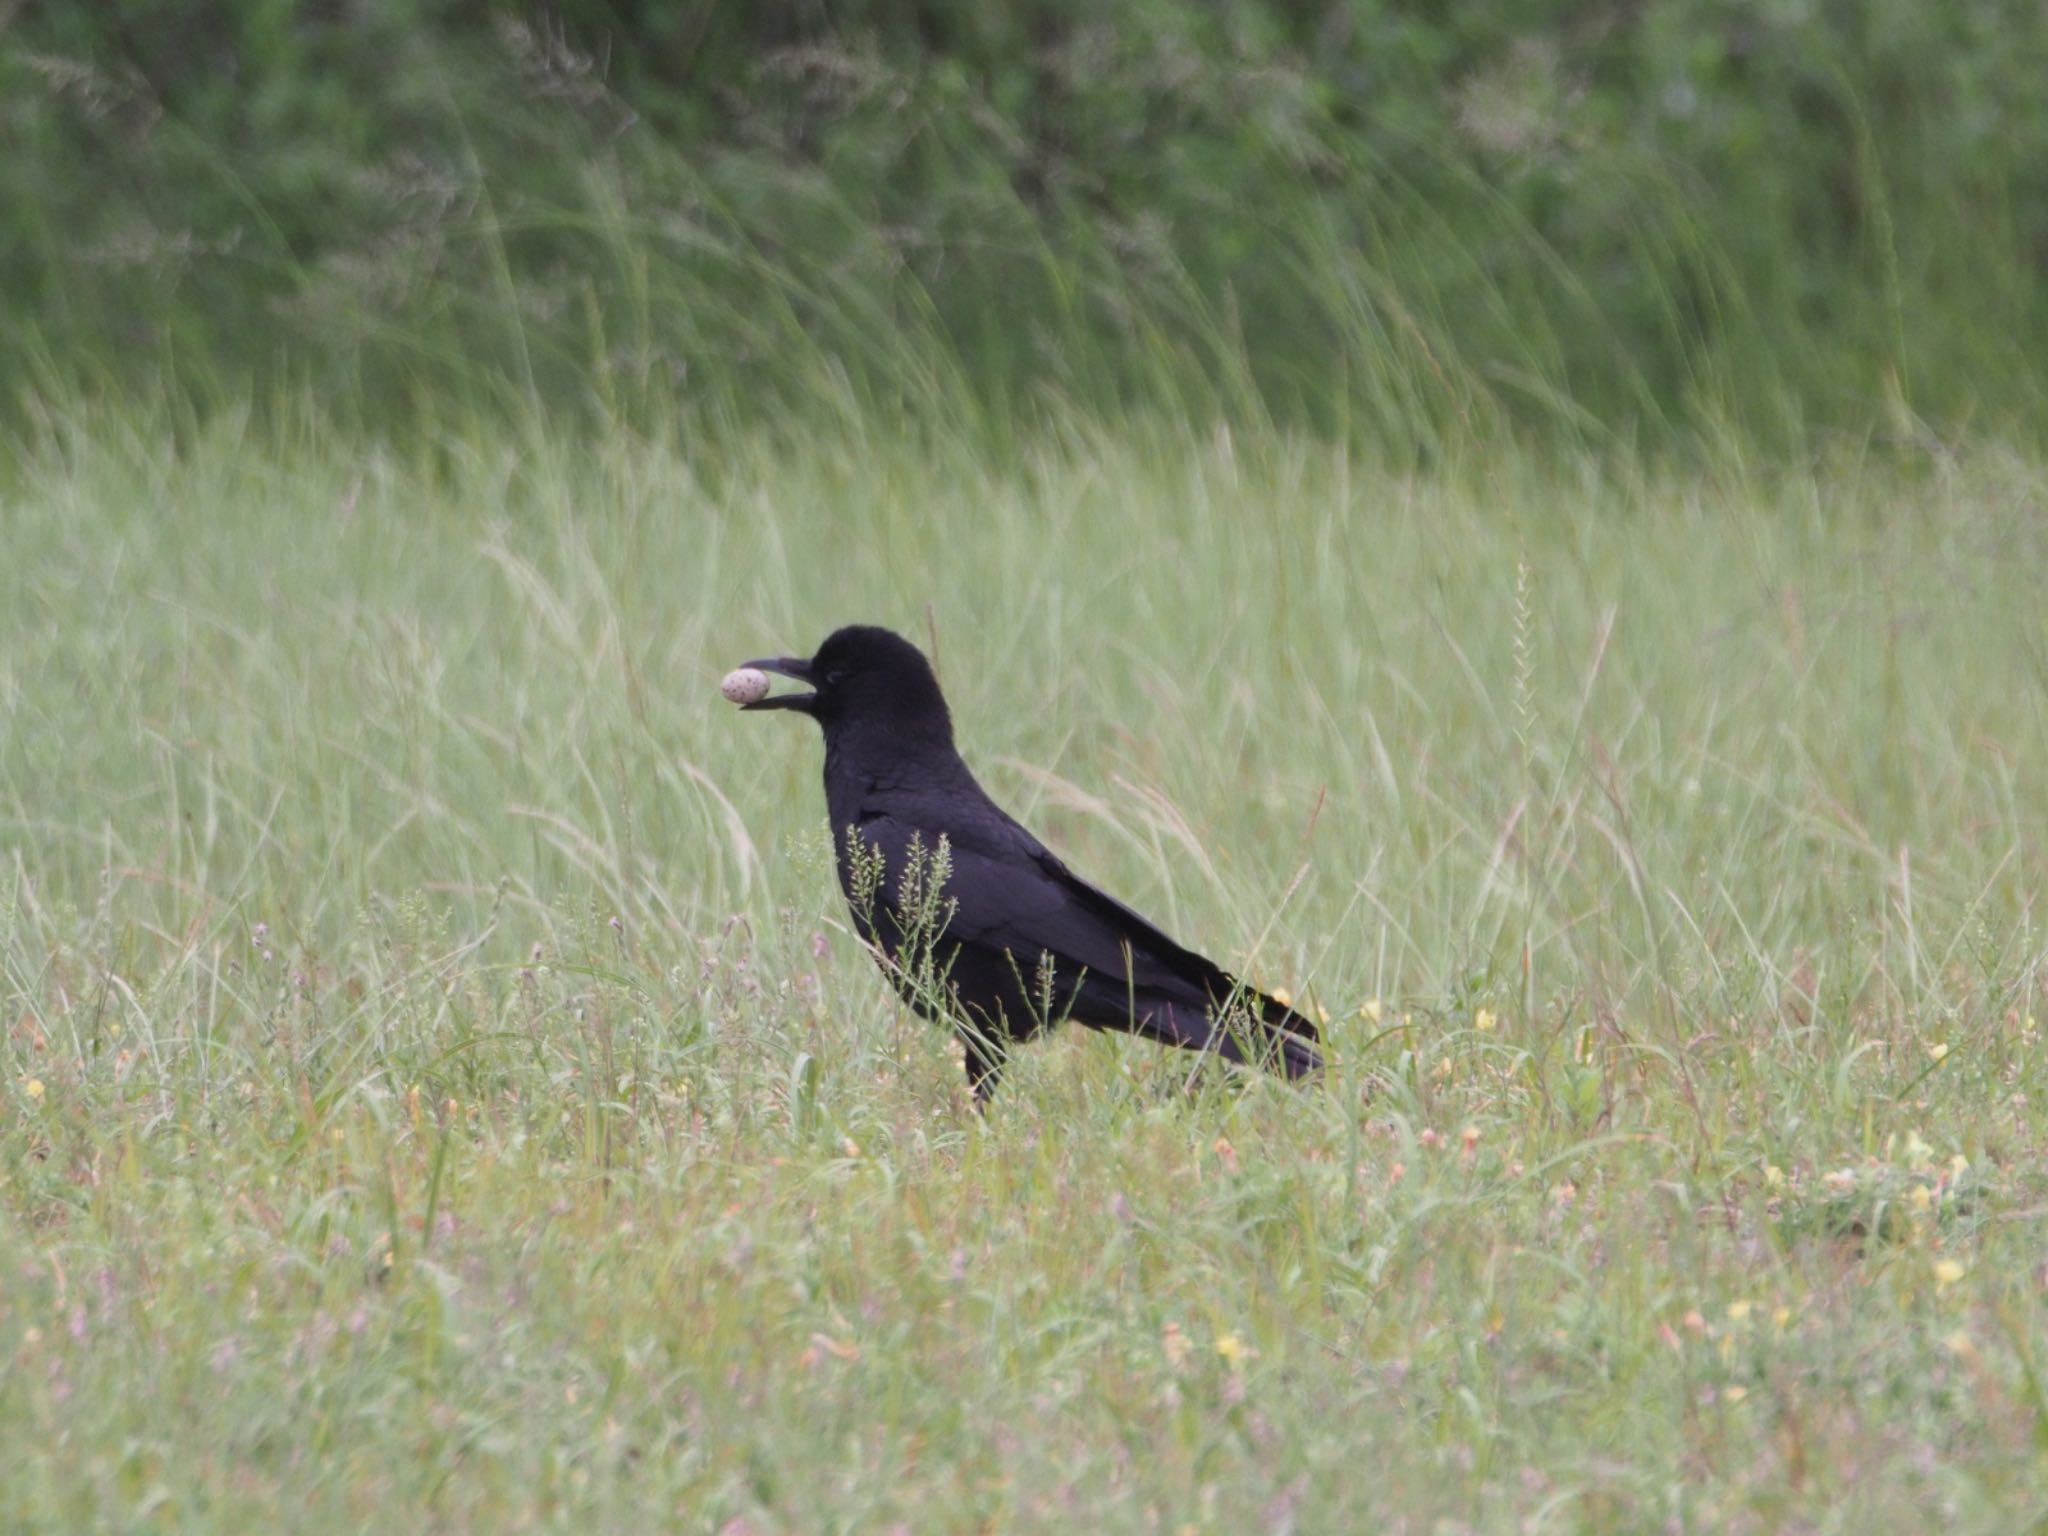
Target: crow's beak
[{"x": 786, "y": 666}]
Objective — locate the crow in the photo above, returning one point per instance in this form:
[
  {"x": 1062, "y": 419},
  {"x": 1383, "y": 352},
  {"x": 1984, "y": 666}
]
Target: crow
[{"x": 973, "y": 920}]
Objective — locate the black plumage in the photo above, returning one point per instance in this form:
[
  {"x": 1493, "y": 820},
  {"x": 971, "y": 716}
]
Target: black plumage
[{"x": 1011, "y": 941}]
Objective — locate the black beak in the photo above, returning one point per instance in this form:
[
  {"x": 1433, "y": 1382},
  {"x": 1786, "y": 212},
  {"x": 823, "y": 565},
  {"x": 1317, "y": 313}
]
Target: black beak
[{"x": 786, "y": 666}]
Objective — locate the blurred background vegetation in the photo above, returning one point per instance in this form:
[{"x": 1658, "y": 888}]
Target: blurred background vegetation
[{"x": 1641, "y": 222}]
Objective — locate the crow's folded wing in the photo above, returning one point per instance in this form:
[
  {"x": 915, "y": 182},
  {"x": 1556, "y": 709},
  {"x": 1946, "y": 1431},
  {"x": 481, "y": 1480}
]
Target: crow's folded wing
[{"x": 1008, "y": 893}]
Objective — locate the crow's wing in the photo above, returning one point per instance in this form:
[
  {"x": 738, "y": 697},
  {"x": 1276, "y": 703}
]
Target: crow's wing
[{"x": 1009, "y": 893}]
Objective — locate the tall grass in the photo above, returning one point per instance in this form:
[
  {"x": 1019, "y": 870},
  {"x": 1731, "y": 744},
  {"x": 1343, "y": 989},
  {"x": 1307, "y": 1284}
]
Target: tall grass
[
  {"x": 1772, "y": 225},
  {"x": 437, "y": 1085}
]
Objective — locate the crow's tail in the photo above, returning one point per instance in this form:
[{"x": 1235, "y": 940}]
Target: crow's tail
[
  {"x": 1258, "y": 1030},
  {"x": 1291, "y": 1043},
  {"x": 1237, "y": 1022}
]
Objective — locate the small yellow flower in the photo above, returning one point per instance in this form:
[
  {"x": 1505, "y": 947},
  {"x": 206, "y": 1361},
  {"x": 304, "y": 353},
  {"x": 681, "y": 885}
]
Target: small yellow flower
[
  {"x": 1737, "y": 1311},
  {"x": 1774, "y": 1176},
  {"x": 1231, "y": 1349},
  {"x": 1958, "y": 1166},
  {"x": 1283, "y": 997},
  {"x": 1923, "y": 1199},
  {"x": 34, "y": 1087},
  {"x": 1781, "y": 1316},
  {"x": 1937, "y": 1051},
  {"x": 1947, "y": 1272},
  {"x": 1734, "y": 1394},
  {"x": 1371, "y": 1011},
  {"x": 1483, "y": 1019}
]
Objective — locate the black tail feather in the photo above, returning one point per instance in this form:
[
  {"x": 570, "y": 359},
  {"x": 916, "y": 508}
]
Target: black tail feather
[
  {"x": 1239, "y": 1023},
  {"x": 1256, "y": 1030},
  {"x": 1293, "y": 1039}
]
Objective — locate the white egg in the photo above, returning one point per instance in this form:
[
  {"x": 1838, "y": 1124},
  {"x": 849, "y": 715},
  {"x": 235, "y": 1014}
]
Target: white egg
[{"x": 745, "y": 685}]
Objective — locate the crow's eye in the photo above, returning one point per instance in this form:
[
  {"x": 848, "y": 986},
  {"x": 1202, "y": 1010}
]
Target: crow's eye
[{"x": 834, "y": 676}]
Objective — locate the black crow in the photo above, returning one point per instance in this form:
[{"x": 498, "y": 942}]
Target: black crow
[{"x": 973, "y": 920}]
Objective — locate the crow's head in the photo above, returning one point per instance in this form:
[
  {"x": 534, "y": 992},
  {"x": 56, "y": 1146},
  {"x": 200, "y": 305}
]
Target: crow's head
[{"x": 863, "y": 677}]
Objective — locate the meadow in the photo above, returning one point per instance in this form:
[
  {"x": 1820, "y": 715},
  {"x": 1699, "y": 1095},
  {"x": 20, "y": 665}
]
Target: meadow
[{"x": 439, "y": 1089}]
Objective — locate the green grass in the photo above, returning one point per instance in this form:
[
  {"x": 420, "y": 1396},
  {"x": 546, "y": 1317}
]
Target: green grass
[
  {"x": 438, "y": 1088},
  {"x": 1784, "y": 221}
]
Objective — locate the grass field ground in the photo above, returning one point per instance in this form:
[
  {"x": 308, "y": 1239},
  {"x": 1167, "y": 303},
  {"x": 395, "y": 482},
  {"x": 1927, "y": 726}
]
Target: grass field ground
[{"x": 438, "y": 1089}]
